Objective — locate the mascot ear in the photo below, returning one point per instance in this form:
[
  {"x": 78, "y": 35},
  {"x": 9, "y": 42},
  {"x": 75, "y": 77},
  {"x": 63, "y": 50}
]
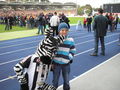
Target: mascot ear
[{"x": 45, "y": 60}]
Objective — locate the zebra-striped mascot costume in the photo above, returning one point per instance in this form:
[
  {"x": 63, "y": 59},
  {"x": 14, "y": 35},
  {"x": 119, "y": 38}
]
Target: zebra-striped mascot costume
[{"x": 32, "y": 71}]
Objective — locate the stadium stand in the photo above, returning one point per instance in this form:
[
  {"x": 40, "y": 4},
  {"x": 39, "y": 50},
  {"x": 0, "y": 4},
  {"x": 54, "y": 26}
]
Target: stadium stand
[{"x": 112, "y": 8}]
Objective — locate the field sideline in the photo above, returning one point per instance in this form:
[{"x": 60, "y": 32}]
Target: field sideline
[
  {"x": 20, "y": 32},
  {"x": 11, "y": 51},
  {"x": 73, "y": 20}
]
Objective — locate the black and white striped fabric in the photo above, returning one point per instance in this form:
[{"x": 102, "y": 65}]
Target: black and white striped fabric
[
  {"x": 32, "y": 74},
  {"x": 48, "y": 46},
  {"x": 46, "y": 86},
  {"x": 36, "y": 71},
  {"x": 49, "y": 32}
]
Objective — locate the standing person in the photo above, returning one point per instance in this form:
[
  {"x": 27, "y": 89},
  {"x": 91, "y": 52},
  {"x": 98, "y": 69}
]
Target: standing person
[
  {"x": 79, "y": 25},
  {"x": 100, "y": 25},
  {"x": 84, "y": 23},
  {"x": 40, "y": 24},
  {"x": 31, "y": 20},
  {"x": 107, "y": 16},
  {"x": 65, "y": 19},
  {"x": 63, "y": 58},
  {"x": 116, "y": 21},
  {"x": 11, "y": 19},
  {"x": 7, "y": 23},
  {"x": 54, "y": 22},
  {"x": 89, "y": 21},
  {"x": 111, "y": 21}
]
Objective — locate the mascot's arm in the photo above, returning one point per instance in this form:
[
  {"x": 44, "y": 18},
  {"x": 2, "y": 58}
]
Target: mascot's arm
[{"x": 19, "y": 70}]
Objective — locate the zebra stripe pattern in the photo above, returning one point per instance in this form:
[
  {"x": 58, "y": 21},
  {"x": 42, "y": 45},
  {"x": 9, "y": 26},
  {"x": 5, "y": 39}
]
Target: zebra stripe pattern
[
  {"x": 47, "y": 46},
  {"x": 46, "y": 86}
]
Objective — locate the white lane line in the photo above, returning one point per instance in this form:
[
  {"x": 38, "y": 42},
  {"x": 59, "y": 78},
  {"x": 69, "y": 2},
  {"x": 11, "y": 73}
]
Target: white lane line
[
  {"x": 82, "y": 37},
  {"x": 99, "y": 47},
  {"x": 31, "y": 48},
  {"x": 37, "y": 41},
  {"x": 36, "y": 46},
  {"x": 30, "y": 39},
  {"x": 75, "y": 56},
  {"x": 93, "y": 39},
  {"x": 76, "y": 33},
  {"x": 76, "y": 78},
  {"x": 20, "y": 40},
  {"x": 18, "y": 50},
  {"x": 10, "y": 77},
  {"x": 19, "y": 44},
  {"x": 11, "y": 61}
]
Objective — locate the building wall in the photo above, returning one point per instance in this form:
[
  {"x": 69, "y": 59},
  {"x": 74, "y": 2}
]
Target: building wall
[
  {"x": 10, "y": 0},
  {"x": 112, "y": 8}
]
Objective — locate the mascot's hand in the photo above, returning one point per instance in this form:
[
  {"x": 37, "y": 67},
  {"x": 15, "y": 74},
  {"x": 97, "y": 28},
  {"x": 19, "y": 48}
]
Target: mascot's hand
[
  {"x": 45, "y": 60},
  {"x": 22, "y": 79}
]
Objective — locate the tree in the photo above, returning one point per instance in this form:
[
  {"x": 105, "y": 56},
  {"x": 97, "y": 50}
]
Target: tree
[
  {"x": 87, "y": 9},
  {"x": 80, "y": 10},
  {"x": 45, "y": 1}
]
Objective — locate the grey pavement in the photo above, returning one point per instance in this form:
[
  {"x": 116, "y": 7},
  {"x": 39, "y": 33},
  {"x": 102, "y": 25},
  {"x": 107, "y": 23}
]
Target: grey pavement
[{"x": 105, "y": 76}]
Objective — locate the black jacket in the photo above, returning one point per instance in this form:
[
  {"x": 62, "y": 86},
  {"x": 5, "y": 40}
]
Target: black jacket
[{"x": 100, "y": 25}]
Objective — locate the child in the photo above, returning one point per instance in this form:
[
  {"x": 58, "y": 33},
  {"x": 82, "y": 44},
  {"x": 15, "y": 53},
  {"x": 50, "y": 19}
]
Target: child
[{"x": 63, "y": 58}]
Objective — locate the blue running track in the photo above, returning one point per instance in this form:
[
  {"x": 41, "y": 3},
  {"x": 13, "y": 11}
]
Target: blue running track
[{"x": 11, "y": 51}]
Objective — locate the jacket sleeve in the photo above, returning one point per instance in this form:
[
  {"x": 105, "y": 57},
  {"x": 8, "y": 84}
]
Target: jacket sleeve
[
  {"x": 19, "y": 67},
  {"x": 94, "y": 25},
  {"x": 107, "y": 21},
  {"x": 72, "y": 50}
]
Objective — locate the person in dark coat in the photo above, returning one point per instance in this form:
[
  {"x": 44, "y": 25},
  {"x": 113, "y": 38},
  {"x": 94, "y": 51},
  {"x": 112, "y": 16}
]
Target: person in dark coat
[
  {"x": 11, "y": 19},
  {"x": 116, "y": 20},
  {"x": 40, "y": 24},
  {"x": 66, "y": 20},
  {"x": 100, "y": 25},
  {"x": 89, "y": 21},
  {"x": 7, "y": 23}
]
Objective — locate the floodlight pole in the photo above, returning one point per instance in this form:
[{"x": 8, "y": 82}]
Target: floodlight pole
[
  {"x": 76, "y": 7},
  {"x": 111, "y": 9}
]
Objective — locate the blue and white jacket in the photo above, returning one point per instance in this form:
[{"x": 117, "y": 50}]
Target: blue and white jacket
[{"x": 65, "y": 52}]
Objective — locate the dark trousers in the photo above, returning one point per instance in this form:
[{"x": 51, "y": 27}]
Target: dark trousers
[
  {"x": 89, "y": 27},
  {"x": 65, "y": 70},
  {"x": 101, "y": 38},
  {"x": 116, "y": 26},
  {"x": 7, "y": 27},
  {"x": 55, "y": 30},
  {"x": 10, "y": 26}
]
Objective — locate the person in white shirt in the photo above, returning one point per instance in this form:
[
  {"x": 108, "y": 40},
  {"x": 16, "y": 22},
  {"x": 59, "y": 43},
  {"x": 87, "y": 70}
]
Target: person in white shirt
[{"x": 54, "y": 22}]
